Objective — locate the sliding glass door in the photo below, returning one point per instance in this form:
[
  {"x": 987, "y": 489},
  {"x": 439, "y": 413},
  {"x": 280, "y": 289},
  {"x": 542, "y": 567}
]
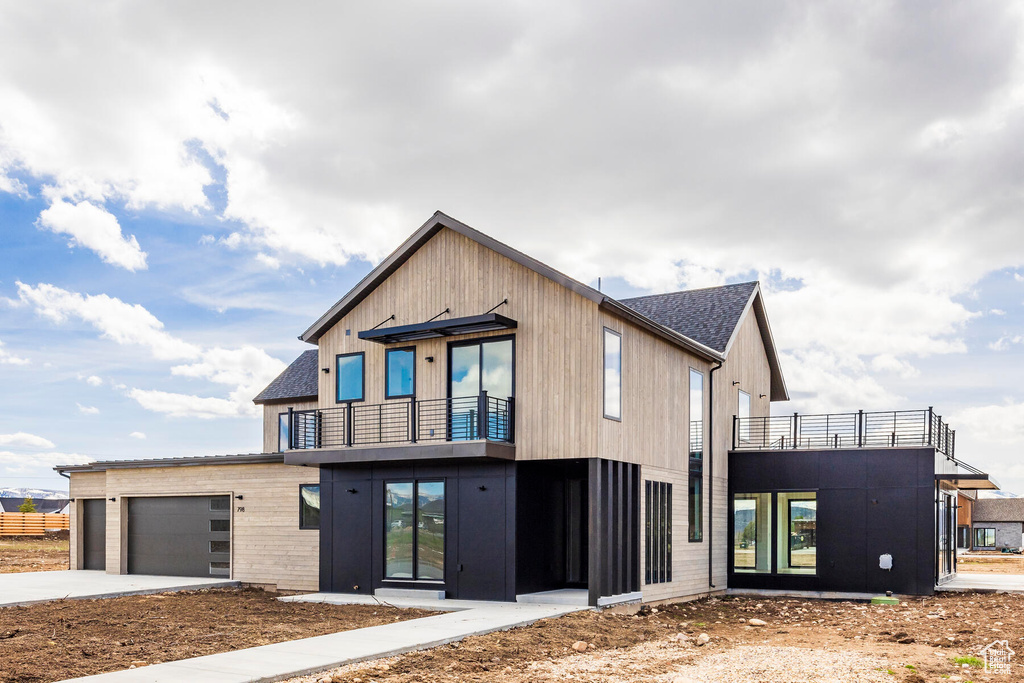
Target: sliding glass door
[{"x": 475, "y": 367}]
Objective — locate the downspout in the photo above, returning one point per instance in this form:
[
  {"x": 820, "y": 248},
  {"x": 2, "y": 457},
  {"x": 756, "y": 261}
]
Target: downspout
[{"x": 711, "y": 474}]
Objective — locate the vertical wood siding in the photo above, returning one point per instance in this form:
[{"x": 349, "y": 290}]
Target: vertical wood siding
[{"x": 270, "y": 414}]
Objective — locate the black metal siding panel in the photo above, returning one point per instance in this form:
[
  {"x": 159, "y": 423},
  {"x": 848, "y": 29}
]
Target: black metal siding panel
[
  {"x": 94, "y": 534},
  {"x": 614, "y": 528},
  {"x": 870, "y": 502},
  {"x": 477, "y": 533},
  {"x": 171, "y": 536}
]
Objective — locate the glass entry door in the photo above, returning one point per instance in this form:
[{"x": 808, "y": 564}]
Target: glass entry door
[
  {"x": 945, "y": 535},
  {"x": 476, "y": 367}
]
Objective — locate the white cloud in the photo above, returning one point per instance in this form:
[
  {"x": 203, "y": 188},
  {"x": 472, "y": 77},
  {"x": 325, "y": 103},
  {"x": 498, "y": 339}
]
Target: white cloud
[
  {"x": 1004, "y": 342},
  {"x": 94, "y": 228},
  {"x": 138, "y": 435},
  {"x": 184, "y": 405},
  {"x": 20, "y": 463},
  {"x": 116, "y": 320},
  {"x": 269, "y": 261},
  {"x": 247, "y": 369},
  {"x": 24, "y": 440},
  {"x": 93, "y": 381},
  {"x": 8, "y": 358},
  {"x": 87, "y": 410},
  {"x": 996, "y": 311}
]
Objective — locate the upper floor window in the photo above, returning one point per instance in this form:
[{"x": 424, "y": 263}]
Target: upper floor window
[
  {"x": 612, "y": 374},
  {"x": 350, "y": 377},
  {"x": 743, "y": 412},
  {"x": 400, "y": 373},
  {"x": 283, "y": 438}
]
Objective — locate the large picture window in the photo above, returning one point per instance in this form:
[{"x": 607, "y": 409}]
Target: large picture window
[
  {"x": 349, "y": 373},
  {"x": 612, "y": 374},
  {"x": 309, "y": 506},
  {"x": 474, "y": 367},
  {"x": 400, "y": 373},
  {"x": 796, "y": 532},
  {"x": 752, "y": 539},
  {"x": 984, "y": 538},
  {"x": 414, "y": 514}
]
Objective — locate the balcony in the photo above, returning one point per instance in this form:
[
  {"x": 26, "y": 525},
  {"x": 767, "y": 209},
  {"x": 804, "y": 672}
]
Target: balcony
[
  {"x": 472, "y": 418},
  {"x": 888, "y": 429}
]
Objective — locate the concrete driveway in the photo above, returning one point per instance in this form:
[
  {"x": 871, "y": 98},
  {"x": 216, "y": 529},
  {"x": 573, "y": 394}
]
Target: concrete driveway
[
  {"x": 1003, "y": 583},
  {"x": 29, "y": 587}
]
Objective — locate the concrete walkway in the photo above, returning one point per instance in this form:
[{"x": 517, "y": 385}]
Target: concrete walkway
[
  {"x": 1005, "y": 583},
  {"x": 308, "y": 655},
  {"x": 29, "y": 587}
]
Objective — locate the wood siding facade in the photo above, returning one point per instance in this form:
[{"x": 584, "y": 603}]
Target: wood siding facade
[{"x": 267, "y": 546}]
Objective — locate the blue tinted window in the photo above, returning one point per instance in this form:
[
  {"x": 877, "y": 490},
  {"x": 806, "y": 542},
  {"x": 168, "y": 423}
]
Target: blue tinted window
[
  {"x": 283, "y": 442},
  {"x": 401, "y": 372},
  {"x": 350, "y": 377}
]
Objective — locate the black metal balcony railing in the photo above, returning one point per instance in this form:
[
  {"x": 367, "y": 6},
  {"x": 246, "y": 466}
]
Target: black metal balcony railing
[
  {"x": 889, "y": 429},
  {"x": 443, "y": 419}
]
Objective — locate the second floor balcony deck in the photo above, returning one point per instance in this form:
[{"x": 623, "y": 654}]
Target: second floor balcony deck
[
  {"x": 468, "y": 418},
  {"x": 881, "y": 429}
]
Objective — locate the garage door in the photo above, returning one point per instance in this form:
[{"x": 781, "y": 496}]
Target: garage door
[
  {"x": 180, "y": 536},
  {"x": 94, "y": 534}
]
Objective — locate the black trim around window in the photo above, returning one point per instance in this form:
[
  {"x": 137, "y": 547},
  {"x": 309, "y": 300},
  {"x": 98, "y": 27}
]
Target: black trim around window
[
  {"x": 337, "y": 378},
  {"x": 279, "y": 416},
  {"x": 305, "y": 519},
  {"x": 604, "y": 369},
  {"x": 387, "y": 372},
  {"x": 480, "y": 341},
  {"x": 414, "y": 569}
]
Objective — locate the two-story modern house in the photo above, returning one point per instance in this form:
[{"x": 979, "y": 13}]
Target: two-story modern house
[{"x": 476, "y": 424}]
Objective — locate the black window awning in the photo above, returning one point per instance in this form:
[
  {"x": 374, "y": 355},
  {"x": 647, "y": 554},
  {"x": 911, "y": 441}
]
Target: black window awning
[{"x": 439, "y": 328}]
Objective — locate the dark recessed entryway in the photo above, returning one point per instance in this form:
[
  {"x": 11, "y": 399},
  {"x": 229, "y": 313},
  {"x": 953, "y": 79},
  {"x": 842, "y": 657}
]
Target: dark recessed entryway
[{"x": 180, "y": 536}]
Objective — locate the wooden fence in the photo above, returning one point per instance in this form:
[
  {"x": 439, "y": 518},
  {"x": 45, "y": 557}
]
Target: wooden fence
[{"x": 31, "y": 523}]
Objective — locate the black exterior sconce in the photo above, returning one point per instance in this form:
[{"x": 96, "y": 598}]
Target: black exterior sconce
[{"x": 239, "y": 497}]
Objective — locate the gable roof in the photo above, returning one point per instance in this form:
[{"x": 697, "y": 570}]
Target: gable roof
[
  {"x": 297, "y": 382},
  {"x": 709, "y": 315},
  {"x": 700, "y": 337},
  {"x": 998, "y": 510},
  {"x": 713, "y": 316}
]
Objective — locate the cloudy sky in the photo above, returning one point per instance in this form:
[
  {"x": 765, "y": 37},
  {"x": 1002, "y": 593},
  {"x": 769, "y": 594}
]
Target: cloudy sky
[{"x": 184, "y": 187}]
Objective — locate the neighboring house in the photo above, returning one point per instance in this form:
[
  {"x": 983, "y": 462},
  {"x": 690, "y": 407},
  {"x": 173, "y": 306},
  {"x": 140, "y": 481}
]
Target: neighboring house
[
  {"x": 475, "y": 423},
  {"x": 998, "y": 523},
  {"x": 44, "y": 505},
  {"x": 964, "y": 515}
]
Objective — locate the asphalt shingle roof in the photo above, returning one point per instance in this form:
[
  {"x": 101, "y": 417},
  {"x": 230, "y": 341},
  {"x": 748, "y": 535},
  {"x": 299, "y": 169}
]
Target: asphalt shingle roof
[
  {"x": 299, "y": 380},
  {"x": 708, "y": 315},
  {"x": 998, "y": 510}
]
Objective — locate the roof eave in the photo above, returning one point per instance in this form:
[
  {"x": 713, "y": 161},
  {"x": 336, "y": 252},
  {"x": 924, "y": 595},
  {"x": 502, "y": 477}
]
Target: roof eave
[
  {"x": 289, "y": 399},
  {"x": 778, "y": 390},
  {"x": 400, "y": 255},
  {"x": 660, "y": 330}
]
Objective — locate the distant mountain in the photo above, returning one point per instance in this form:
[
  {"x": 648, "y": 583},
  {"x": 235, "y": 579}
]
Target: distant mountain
[{"x": 38, "y": 494}]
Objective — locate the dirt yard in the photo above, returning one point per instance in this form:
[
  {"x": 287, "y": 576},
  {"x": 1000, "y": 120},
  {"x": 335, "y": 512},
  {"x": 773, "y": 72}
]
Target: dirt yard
[
  {"x": 799, "y": 641},
  {"x": 58, "y": 640},
  {"x": 990, "y": 563},
  {"x": 34, "y": 553}
]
